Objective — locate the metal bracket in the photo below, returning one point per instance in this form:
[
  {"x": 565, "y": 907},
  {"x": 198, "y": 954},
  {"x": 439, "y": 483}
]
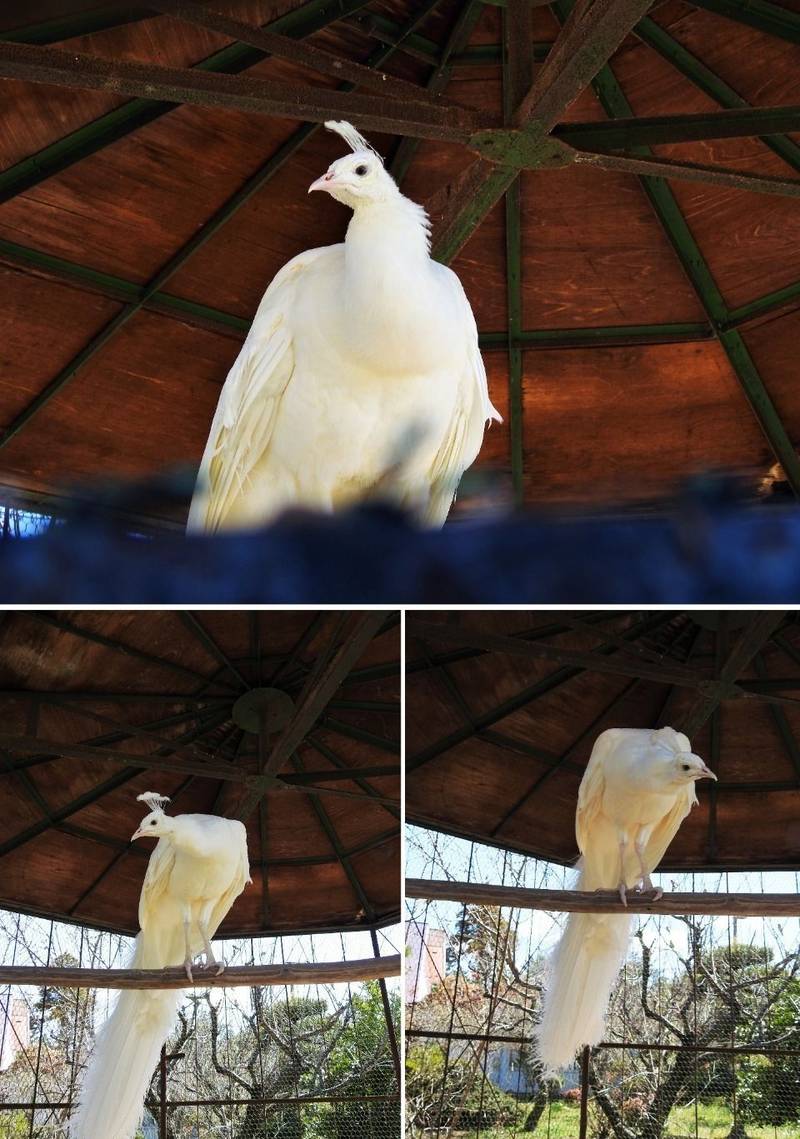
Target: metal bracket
[{"x": 530, "y": 148}]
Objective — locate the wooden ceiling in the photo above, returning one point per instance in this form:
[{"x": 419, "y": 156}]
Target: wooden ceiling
[
  {"x": 78, "y": 689},
  {"x": 635, "y": 330},
  {"x": 503, "y": 710}
]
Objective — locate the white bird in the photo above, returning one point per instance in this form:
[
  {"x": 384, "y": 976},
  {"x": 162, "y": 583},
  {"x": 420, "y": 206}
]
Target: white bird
[
  {"x": 196, "y": 871},
  {"x": 361, "y": 373},
  {"x": 638, "y": 787}
]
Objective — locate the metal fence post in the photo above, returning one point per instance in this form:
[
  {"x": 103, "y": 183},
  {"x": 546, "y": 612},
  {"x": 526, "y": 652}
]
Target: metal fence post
[
  {"x": 162, "y": 1094},
  {"x": 584, "y": 1125}
]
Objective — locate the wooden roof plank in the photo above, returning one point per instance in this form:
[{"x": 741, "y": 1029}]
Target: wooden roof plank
[
  {"x": 116, "y": 124},
  {"x": 698, "y": 272}
]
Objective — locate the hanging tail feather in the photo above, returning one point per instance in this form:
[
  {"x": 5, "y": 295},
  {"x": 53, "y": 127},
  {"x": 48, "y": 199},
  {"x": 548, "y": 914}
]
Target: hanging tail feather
[
  {"x": 583, "y": 969},
  {"x": 125, "y": 1054}
]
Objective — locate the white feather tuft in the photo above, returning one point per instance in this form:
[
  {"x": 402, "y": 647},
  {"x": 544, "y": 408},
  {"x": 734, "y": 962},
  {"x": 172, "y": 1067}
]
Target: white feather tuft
[
  {"x": 154, "y": 801},
  {"x": 351, "y": 136}
]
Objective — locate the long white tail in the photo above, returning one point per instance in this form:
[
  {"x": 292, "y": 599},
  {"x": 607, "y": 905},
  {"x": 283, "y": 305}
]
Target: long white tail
[
  {"x": 583, "y": 969},
  {"x": 125, "y": 1054}
]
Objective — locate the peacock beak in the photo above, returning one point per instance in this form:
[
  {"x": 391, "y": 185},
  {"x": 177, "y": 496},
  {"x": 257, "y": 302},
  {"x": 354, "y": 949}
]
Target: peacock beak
[
  {"x": 707, "y": 773},
  {"x": 326, "y": 182},
  {"x": 138, "y": 833}
]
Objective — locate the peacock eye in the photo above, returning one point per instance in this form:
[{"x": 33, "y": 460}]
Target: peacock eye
[
  {"x": 685, "y": 767},
  {"x": 153, "y": 821},
  {"x": 361, "y": 170}
]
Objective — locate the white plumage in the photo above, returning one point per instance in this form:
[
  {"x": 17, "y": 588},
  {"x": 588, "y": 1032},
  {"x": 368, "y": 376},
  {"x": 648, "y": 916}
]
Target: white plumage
[
  {"x": 197, "y": 870},
  {"x": 638, "y": 787},
  {"x": 360, "y": 375}
]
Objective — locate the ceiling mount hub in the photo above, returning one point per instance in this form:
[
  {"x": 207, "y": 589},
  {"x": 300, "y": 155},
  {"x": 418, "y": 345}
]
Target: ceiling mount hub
[{"x": 268, "y": 706}]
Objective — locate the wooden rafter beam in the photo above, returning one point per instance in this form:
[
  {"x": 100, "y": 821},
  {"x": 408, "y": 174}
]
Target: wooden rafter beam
[
  {"x": 578, "y": 54},
  {"x": 518, "y": 77},
  {"x": 706, "y": 80},
  {"x": 367, "y": 788},
  {"x": 32, "y": 745},
  {"x": 338, "y": 848},
  {"x": 565, "y": 759},
  {"x": 118, "y": 736},
  {"x": 692, "y": 172},
  {"x": 457, "y": 39},
  {"x": 705, "y": 286},
  {"x": 421, "y": 118},
  {"x": 319, "y": 689},
  {"x": 319, "y": 973},
  {"x": 298, "y": 22},
  {"x": 752, "y": 638},
  {"x": 604, "y": 901},
  {"x": 228, "y": 772},
  {"x": 623, "y": 134},
  {"x": 524, "y": 698},
  {"x": 91, "y": 137},
  {"x": 295, "y": 51},
  {"x": 665, "y": 672},
  {"x": 201, "y": 634},
  {"x": 59, "y": 814},
  {"x": 773, "y": 19},
  {"x": 115, "y": 645}
]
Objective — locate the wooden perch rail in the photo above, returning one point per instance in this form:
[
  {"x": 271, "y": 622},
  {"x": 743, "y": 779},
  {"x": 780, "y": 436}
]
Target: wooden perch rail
[
  {"x": 366, "y": 969},
  {"x": 604, "y": 901}
]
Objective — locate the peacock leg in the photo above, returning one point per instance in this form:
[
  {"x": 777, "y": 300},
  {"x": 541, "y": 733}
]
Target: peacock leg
[
  {"x": 202, "y": 925},
  {"x": 621, "y": 888},
  {"x": 647, "y": 882},
  {"x": 187, "y": 961}
]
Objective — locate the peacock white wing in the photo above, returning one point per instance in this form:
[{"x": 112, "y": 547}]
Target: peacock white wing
[
  {"x": 592, "y": 789},
  {"x": 472, "y": 413},
  {"x": 665, "y": 831},
  {"x": 245, "y": 417},
  {"x": 159, "y": 868},
  {"x": 239, "y": 879}
]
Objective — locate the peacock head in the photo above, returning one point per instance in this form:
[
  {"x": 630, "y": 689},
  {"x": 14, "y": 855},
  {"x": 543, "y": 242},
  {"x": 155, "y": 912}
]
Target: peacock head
[
  {"x": 156, "y": 823},
  {"x": 359, "y": 177},
  {"x": 688, "y": 768}
]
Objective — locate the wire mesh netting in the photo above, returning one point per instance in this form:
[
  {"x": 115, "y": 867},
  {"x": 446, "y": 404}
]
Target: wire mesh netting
[
  {"x": 241, "y": 1063},
  {"x": 702, "y": 1035}
]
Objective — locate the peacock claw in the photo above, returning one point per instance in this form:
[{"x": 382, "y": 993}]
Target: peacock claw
[
  {"x": 623, "y": 894},
  {"x": 220, "y": 968},
  {"x": 188, "y": 967}
]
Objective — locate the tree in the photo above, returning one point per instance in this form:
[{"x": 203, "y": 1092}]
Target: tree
[
  {"x": 361, "y": 1062},
  {"x": 488, "y": 993},
  {"x": 720, "y": 996}
]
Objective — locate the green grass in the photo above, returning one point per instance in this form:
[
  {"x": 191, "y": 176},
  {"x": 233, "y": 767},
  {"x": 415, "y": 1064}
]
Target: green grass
[{"x": 714, "y": 1121}]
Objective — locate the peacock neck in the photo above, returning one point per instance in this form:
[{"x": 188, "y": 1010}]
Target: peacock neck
[{"x": 392, "y": 232}]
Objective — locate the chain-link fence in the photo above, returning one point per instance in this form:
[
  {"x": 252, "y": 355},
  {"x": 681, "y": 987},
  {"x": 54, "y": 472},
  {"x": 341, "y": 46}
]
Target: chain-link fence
[
  {"x": 702, "y": 1032},
  {"x": 266, "y": 1062}
]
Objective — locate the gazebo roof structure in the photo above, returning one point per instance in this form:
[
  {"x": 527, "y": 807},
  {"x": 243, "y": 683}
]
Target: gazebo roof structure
[
  {"x": 286, "y": 720},
  {"x": 503, "y": 709},
  {"x": 636, "y": 283}
]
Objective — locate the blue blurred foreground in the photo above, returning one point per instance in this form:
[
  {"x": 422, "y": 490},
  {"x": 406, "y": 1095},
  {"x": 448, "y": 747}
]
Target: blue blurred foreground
[{"x": 706, "y": 550}]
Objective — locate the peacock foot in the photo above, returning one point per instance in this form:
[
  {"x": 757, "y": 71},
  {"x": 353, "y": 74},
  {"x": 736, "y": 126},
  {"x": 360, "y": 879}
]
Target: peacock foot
[
  {"x": 646, "y": 887},
  {"x": 623, "y": 893},
  {"x": 187, "y": 964}
]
